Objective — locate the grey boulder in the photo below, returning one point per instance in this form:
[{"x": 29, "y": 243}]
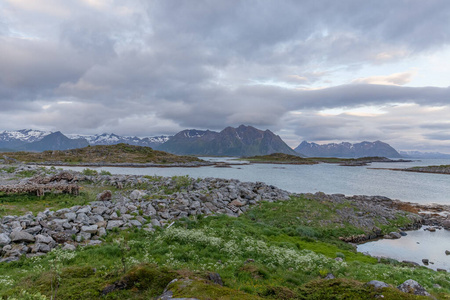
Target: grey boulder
[{"x": 21, "y": 236}]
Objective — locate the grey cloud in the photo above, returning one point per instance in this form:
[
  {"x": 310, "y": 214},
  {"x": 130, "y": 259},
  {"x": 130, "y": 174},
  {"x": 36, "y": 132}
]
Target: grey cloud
[
  {"x": 440, "y": 135},
  {"x": 436, "y": 125},
  {"x": 186, "y": 64},
  {"x": 357, "y": 94},
  {"x": 88, "y": 38},
  {"x": 396, "y": 127}
]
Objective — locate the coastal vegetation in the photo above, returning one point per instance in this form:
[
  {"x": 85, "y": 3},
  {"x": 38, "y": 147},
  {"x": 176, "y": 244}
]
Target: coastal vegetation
[
  {"x": 119, "y": 153},
  {"x": 287, "y": 249}
]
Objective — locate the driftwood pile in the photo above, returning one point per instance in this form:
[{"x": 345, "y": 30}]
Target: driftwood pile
[{"x": 63, "y": 182}]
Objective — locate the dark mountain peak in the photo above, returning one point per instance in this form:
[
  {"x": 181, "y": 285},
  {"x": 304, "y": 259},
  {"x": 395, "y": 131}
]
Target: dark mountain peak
[
  {"x": 245, "y": 127},
  {"x": 241, "y": 141},
  {"x": 193, "y": 133},
  {"x": 56, "y": 134},
  {"x": 228, "y": 129}
]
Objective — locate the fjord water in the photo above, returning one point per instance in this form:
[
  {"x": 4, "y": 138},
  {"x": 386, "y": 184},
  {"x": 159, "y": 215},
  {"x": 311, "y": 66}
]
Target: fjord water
[{"x": 328, "y": 178}]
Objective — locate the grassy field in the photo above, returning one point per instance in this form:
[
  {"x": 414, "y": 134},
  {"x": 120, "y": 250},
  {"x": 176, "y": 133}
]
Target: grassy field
[
  {"x": 120, "y": 153},
  {"x": 280, "y": 250}
]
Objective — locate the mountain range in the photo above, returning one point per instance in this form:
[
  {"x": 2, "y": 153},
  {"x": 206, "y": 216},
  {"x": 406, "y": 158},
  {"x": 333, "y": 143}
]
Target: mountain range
[
  {"x": 113, "y": 139},
  {"x": 418, "y": 154},
  {"x": 36, "y": 140},
  {"x": 345, "y": 149},
  {"x": 240, "y": 141}
]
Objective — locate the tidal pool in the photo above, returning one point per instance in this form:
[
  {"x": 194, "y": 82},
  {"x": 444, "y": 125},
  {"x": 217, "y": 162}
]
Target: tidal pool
[{"x": 417, "y": 245}]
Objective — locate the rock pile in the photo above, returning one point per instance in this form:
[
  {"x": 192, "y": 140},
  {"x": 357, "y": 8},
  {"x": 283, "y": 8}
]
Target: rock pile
[{"x": 37, "y": 235}]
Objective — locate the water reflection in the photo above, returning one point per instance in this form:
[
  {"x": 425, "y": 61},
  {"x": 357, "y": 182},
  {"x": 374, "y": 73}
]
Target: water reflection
[{"x": 416, "y": 246}]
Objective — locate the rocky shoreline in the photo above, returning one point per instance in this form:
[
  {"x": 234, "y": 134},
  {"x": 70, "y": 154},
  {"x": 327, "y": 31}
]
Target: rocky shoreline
[{"x": 148, "y": 202}]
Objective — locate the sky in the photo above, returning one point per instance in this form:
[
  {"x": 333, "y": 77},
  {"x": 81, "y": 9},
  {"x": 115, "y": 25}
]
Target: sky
[{"x": 322, "y": 71}]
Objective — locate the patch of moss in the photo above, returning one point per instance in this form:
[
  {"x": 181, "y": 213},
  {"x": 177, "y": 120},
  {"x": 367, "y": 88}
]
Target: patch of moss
[{"x": 204, "y": 290}]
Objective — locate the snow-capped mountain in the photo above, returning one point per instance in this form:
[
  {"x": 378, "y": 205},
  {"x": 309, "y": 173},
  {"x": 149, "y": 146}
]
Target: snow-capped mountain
[
  {"x": 36, "y": 140},
  {"x": 24, "y": 135},
  {"x": 111, "y": 139},
  {"x": 13, "y": 139}
]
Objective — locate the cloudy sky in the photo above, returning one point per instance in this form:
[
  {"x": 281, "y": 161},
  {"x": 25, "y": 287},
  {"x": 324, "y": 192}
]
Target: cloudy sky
[{"x": 322, "y": 71}]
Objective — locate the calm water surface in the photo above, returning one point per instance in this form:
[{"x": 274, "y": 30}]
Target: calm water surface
[
  {"x": 416, "y": 246},
  {"x": 328, "y": 178}
]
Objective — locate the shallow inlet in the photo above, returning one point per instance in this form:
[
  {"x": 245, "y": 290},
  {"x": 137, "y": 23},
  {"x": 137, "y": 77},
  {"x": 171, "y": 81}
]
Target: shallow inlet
[{"x": 417, "y": 245}]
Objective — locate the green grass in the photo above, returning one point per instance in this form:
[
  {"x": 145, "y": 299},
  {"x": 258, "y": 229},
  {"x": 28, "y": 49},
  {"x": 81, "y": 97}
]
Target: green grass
[
  {"x": 19, "y": 204},
  {"x": 278, "y": 250},
  {"x": 256, "y": 259}
]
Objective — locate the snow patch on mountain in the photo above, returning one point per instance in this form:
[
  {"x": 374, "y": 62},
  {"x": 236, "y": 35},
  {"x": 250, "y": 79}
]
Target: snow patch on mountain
[
  {"x": 24, "y": 135},
  {"x": 111, "y": 139}
]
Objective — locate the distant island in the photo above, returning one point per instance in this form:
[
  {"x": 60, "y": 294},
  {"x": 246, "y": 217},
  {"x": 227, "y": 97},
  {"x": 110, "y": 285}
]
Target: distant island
[
  {"x": 443, "y": 169},
  {"x": 281, "y": 158}
]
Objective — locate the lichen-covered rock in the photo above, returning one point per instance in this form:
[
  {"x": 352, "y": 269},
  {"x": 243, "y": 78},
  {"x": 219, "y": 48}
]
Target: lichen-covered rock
[{"x": 413, "y": 287}]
